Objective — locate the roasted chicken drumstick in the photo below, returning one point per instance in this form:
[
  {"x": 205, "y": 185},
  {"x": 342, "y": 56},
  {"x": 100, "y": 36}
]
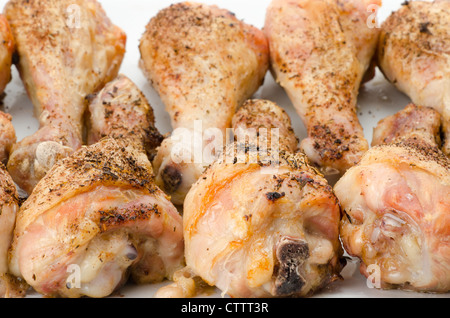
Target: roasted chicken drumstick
[
  {"x": 414, "y": 54},
  {"x": 261, "y": 222},
  {"x": 97, "y": 216},
  {"x": 204, "y": 63},
  {"x": 320, "y": 51},
  {"x": 397, "y": 203},
  {"x": 61, "y": 59}
]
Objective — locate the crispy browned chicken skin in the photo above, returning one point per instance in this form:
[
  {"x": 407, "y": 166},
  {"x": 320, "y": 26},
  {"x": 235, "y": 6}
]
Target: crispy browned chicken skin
[
  {"x": 414, "y": 54},
  {"x": 320, "y": 51},
  {"x": 397, "y": 204},
  {"x": 60, "y": 63},
  {"x": 204, "y": 63}
]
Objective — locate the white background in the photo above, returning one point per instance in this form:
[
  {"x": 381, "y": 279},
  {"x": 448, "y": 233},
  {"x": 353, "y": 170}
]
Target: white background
[{"x": 377, "y": 100}]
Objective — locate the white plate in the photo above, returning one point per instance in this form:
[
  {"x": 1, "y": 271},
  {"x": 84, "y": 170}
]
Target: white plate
[{"x": 377, "y": 100}]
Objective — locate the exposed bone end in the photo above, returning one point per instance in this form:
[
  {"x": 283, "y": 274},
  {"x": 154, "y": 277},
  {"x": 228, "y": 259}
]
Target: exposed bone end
[
  {"x": 47, "y": 154},
  {"x": 172, "y": 178},
  {"x": 29, "y": 163},
  {"x": 175, "y": 169},
  {"x": 177, "y": 179},
  {"x": 291, "y": 253},
  {"x": 33, "y": 156}
]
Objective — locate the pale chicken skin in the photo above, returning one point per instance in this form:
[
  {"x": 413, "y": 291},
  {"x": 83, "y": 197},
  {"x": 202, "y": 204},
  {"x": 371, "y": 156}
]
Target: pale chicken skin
[
  {"x": 320, "y": 51},
  {"x": 121, "y": 110},
  {"x": 94, "y": 219},
  {"x": 261, "y": 222},
  {"x": 9, "y": 205},
  {"x": 204, "y": 63},
  {"x": 66, "y": 50},
  {"x": 6, "y": 52},
  {"x": 414, "y": 54},
  {"x": 396, "y": 205}
]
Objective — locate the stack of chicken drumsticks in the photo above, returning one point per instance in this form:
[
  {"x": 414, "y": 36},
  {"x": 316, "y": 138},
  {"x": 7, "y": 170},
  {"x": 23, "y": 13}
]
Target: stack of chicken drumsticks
[{"x": 231, "y": 198}]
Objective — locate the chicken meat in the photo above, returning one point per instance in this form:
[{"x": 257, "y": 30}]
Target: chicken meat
[
  {"x": 7, "y": 136},
  {"x": 261, "y": 221},
  {"x": 10, "y": 286},
  {"x": 9, "y": 198},
  {"x": 396, "y": 204},
  {"x": 414, "y": 54},
  {"x": 6, "y": 52},
  {"x": 7, "y": 131},
  {"x": 121, "y": 110},
  {"x": 204, "y": 63},
  {"x": 95, "y": 218},
  {"x": 98, "y": 213},
  {"x": 66, "y": 50},
  {"x": 320, "y": 51}
]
